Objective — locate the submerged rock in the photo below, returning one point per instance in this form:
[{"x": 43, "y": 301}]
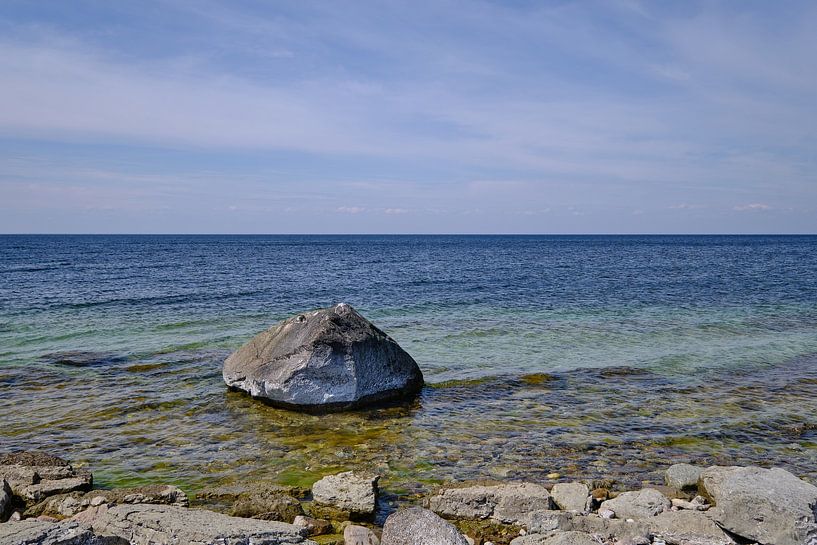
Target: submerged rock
[
  {"x": 417, "y": 526},
  {"x": 505, "y": 503},
  {"x": 328, "y": 359},
  {"x": 769, "y": 506},
  {"x": 268, "y": 506},
  {"x": 158, "y": 524}
]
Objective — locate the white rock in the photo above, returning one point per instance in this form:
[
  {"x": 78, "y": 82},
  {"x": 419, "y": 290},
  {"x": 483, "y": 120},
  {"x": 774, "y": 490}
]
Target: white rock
[{"x": 347, "y": 491}]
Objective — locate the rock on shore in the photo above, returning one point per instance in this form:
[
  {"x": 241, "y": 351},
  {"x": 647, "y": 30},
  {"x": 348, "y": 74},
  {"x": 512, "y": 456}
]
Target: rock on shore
[
  {"x": 770, "y": 506},
  {"x": 328, "y": 359},
  {"x": 417, "y": 526},
  {"x": 346, "y": 494},
  {"x": 151, "y": 524},
  {"x": 504, "y": 503},
  {"x": 734, "y": 505}
]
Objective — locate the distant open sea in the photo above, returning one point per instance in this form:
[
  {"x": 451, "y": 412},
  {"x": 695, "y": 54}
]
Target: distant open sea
[{"x": 588, "y": 356}]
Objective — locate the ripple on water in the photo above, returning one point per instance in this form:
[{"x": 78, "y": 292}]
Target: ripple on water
[{"x": 168, "y": 417}]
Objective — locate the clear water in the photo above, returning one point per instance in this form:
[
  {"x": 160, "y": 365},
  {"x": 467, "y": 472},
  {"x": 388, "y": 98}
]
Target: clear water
[{"x": 593, "y": 357}]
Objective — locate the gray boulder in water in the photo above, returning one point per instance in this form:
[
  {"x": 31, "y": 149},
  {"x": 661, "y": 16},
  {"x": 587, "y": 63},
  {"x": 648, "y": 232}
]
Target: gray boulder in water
[{"x": 328, "y": 359}]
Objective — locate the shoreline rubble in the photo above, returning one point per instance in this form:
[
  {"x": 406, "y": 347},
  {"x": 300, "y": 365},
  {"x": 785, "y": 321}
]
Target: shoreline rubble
[{"x": 718, "y": 505}]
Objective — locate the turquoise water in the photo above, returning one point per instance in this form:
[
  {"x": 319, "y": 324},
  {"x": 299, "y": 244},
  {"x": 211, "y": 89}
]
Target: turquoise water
[{"x": 593, "y": 357}]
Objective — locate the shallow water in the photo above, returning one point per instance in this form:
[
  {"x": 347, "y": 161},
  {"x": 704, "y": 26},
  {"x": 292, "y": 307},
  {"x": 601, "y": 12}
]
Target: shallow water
[{"x": 593, "y": 357}]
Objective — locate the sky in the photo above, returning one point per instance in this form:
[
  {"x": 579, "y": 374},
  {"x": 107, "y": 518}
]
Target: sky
[{"x": 238, "y": 116}]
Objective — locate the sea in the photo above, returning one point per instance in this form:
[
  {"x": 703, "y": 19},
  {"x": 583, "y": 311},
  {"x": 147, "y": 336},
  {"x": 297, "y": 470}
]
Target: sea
[{"x": 598, "y": 358}]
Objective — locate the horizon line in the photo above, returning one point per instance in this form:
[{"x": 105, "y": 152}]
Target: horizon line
[{"x": 412, "y": 234}]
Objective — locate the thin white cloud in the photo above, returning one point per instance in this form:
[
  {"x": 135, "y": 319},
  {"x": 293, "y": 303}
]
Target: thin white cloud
[
  {"x": 350, "y": 209},
  {"x": 752, "y": 207}
]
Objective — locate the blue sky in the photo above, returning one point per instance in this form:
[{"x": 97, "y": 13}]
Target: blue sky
[{"x": 185, "y": 116}]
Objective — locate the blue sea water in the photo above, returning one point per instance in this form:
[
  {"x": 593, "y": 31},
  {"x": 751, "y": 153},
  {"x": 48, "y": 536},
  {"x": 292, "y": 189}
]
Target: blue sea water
[{"x": 585, "y": 355}]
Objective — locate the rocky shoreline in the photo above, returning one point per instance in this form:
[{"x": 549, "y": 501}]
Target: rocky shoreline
[{"x": 44, "y": 500}]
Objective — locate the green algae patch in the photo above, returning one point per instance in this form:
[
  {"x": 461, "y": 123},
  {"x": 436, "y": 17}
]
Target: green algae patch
[
  {"x": 145, "y": 367},
  {"x": 537, "y": 379},
  {"x": 456, "y": 383}
]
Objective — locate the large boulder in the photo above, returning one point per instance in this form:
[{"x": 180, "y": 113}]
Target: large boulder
[
  {"x": 504, "y": 503},
  {"x": 145, "y": 524},
  {"x": 417, "y": 526},
  {"x": 769, "y": 506},
  {"x": 328, "y": 359}
]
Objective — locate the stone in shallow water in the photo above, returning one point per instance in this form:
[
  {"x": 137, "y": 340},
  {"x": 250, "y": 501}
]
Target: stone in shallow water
[
  {"x": 506, "y": 503},
  {"x": 328, "y": 359},
  {"x": 417, "y": 526},
  {"x": 267, "y": 505},
  {"x": 638, "y": 504},
  {"x": 81, "y": 359},
  {"x": 769, "y": 506},
  {"x": 348, "y": 492}
]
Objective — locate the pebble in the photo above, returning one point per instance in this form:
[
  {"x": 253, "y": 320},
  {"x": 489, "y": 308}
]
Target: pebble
[{"x": 552, "y": 476}]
